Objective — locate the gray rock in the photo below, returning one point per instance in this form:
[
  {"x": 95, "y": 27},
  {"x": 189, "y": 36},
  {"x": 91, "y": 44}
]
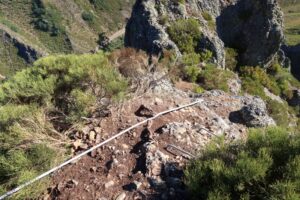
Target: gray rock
[
  {"x": 109, "y": 184},
  {"x": 121, "y": 196},
  {"x": 255, "y": 28},
  {"x": 255, "y": 113}
]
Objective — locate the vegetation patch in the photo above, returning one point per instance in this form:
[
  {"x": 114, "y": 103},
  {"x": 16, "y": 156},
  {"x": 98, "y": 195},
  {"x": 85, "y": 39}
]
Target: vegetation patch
[
  {"x": 39, "y": 102},
  {"x": 212, "y": 77},
  {"x": 186, "y": 34},
  {"x": 46, "y": 19},
  {"x": 266, "y": 166}
]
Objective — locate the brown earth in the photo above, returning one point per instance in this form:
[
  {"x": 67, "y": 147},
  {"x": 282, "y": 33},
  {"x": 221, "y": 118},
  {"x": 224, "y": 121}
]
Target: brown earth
[{"x": 110, "y": 172}]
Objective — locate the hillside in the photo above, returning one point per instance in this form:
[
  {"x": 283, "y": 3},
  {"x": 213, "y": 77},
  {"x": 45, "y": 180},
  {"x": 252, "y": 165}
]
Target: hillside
[
  {"x": 184, "y": 100},
  {"x": 291, "y": 9},
  {"x": 54, "y": 26}
]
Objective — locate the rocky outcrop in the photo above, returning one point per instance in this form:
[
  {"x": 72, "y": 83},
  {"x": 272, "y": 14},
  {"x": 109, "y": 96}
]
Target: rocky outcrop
[
  {"x": 254, "y": 27},
  {"x": 145, "y": 29},
  {"x": 255, "y": 113},
  {"x": 28, "y": 53}
]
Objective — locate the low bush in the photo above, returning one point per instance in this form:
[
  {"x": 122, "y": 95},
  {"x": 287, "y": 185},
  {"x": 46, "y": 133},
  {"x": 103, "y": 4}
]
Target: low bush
[
  {"x": 38, "y": 102},
  {"x": 212, "y": 77},
  {"x": 186, "y": 34},
  {"x": 192, "y": 73},
  {"x": 260, "y": 77},
  {"x": 266, "y": 166},
  {"x": 231, "y": 59},
  {"x": 87, "y": 16}
]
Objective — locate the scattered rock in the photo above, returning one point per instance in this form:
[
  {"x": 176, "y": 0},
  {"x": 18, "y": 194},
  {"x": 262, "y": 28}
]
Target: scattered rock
[
  {"x": 92, "y": 136},
  {"x": 72, "y": 183},
  {"x": 98, "y": 130},
  {"x": 109, "y": 184},
  {"x": 143, "y": 111},
  {"x": 77, "y": 144},
  {"x": 85, "y": 130},
  {"x": 83, "y": 146},
  {"x": 93, "y": 169},
  {"x": 121, "y": 196}
]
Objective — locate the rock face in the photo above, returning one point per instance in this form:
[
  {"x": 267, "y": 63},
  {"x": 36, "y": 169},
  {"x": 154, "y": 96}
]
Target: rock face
[
  {"x": 254, "y": 27},
  {"x": 26, "y": 52},
  {"x": 255, "y": 113},
  {"x": 145, "y": 29}
]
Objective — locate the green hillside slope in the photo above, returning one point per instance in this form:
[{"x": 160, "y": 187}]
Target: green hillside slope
[
  {"x": 291, "y": 9},
  {"x": 56, "y": 26}
]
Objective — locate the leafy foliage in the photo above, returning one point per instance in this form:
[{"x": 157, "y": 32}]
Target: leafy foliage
[
  {"x": 186, "y": 34},
  {"x": 212, "y": 77},
  {"x": 266, "y": 166}
]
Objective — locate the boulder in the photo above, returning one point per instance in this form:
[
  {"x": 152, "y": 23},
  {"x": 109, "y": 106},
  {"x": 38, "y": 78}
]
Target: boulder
[
  {"x": 254, "y": 28},
  {"x": 255, "y": 113}
]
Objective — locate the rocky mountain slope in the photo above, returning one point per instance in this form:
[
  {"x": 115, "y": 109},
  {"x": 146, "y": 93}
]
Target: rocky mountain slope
[
  {"x": 225, "y": 54},
  {"x": 148, "y": 162}
]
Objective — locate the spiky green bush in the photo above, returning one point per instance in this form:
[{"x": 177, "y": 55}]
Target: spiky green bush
[{"x": 266, "y": 166}]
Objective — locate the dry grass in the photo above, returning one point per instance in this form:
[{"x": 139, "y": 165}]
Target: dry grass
[{"x": 130, "y": 62}]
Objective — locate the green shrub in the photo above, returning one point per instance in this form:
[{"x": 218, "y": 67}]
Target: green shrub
[
  {"x": 207, "y": 16},
  {"x": 116, "y": 44},
  {"x": 231, "y": 59},
  {"x": 253, "y": 87},
  {"x": 186, "y": 34},
  {"x": 192, "y": 73},
  {"x": 266, "y": 166},
  {"x": 87, "y": 16},
  {"x": 259, "y": 76},
  {"x": 10, "y": 113},
  {"x": 212, "y": 77},
  {"x": 43, "y": 99},
  {"x": 163, "y": 19},
  {"x": 198, "y": 89},
  {"x": 82, "y": 103},
  {"x": 279, "y": 112}
]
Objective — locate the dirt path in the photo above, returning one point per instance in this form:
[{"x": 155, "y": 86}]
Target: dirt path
[{"x": 117, "y": 34}]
